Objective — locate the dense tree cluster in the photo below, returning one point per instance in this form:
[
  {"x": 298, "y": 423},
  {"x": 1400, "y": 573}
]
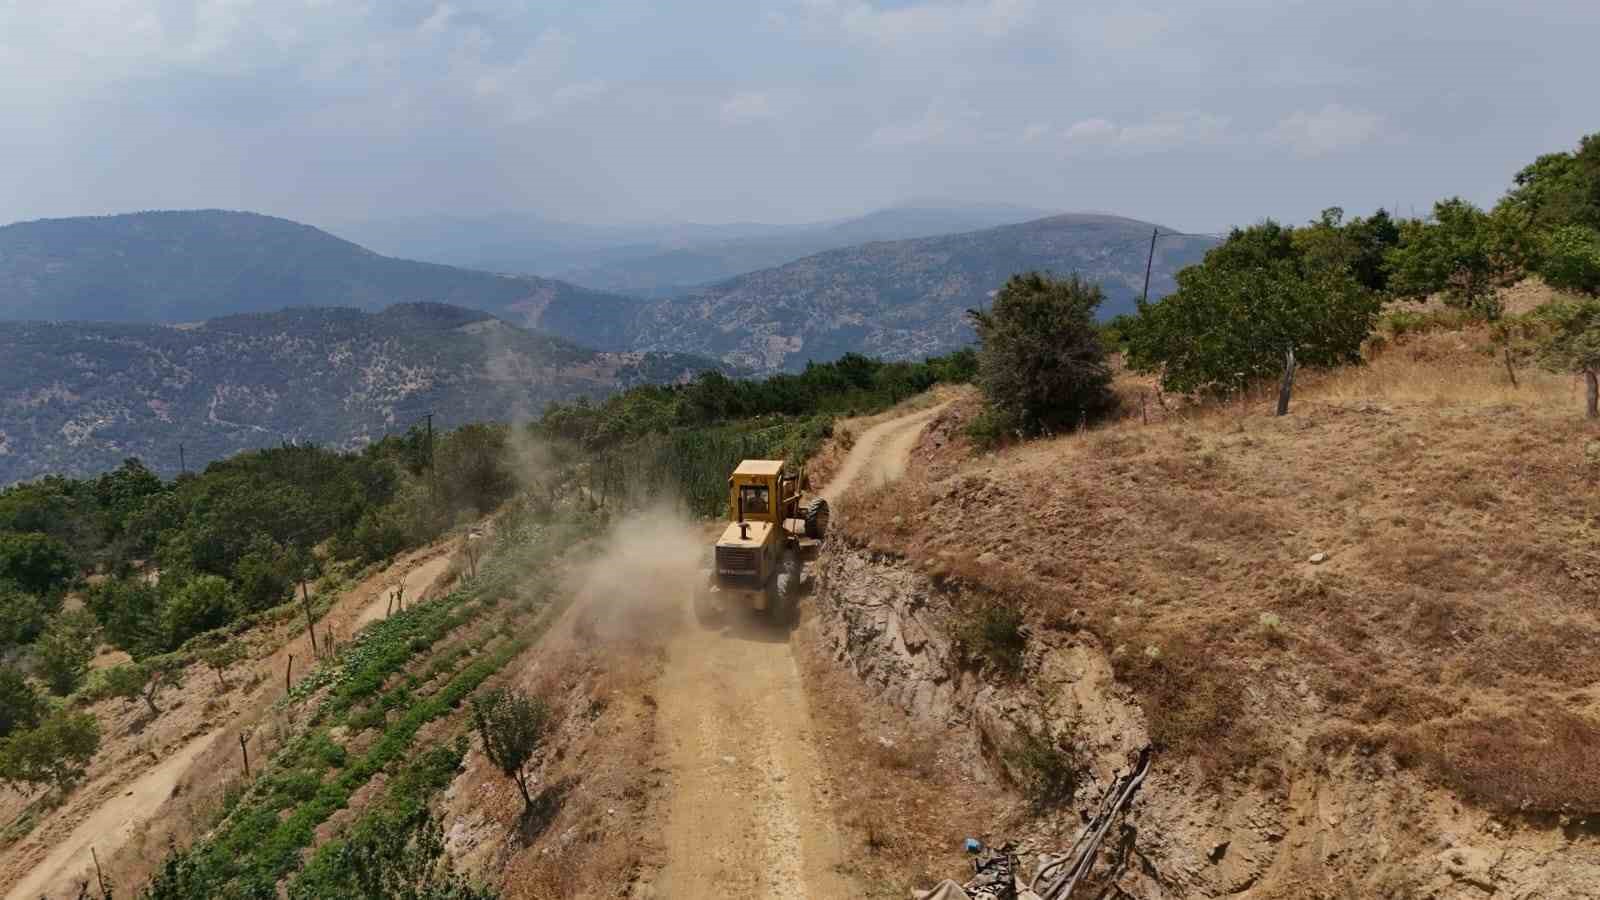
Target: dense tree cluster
[
  {"x": 851, "y": 383},
  {"x": 1317, "y": 289}
]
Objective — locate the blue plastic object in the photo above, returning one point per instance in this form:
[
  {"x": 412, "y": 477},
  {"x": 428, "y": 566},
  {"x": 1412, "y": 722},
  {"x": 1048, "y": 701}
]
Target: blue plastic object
[{"x": 973, "y": 845}]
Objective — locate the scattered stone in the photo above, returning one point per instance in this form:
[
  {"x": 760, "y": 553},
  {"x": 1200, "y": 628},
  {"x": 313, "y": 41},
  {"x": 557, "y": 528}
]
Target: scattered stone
[
  {"x": 730, "y": 760},
  {"x": 1319, "y": 557}
]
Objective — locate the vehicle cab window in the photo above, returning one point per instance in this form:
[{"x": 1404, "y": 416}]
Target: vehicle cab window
[{"x": 754, "y": 499}]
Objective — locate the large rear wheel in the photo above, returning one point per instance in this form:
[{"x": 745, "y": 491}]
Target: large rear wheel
[{"x": 817, "y": 517}]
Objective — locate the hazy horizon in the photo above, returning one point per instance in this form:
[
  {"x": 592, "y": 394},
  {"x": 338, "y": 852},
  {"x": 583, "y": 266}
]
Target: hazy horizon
[{"x": 1196, "y": 115}]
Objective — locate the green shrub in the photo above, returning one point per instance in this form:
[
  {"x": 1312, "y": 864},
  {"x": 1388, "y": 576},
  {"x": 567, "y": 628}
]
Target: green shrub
[
  {"x": 1570, "y": 259},
  {"x": 23, "y": 614},
  {"x": 994, "y": 631},
  {"x": 53, "y": 754},
  {"x": 63, "y": 651},
  {"x": 1049, "y": 772},
  {"x": 35, "y": 562},
  {"x": 20, "y": 705},
  {"x": 1040, "y": 360}
]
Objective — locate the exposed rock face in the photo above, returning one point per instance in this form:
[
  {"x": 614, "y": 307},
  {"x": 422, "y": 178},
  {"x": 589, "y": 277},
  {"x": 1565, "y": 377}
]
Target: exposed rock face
[{"x": 1304, "y": 825}]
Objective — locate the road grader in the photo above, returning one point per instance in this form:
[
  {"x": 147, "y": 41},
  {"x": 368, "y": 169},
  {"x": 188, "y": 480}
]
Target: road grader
[{"x": 758, "y": 557}]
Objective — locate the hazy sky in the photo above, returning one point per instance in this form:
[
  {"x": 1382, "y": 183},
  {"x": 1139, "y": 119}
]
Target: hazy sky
[{"x": 1196, "y": 114}]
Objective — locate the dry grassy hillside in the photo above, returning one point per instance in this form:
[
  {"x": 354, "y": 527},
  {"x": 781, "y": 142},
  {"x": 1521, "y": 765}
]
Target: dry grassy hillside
[{"x": 1405, "y": 568}]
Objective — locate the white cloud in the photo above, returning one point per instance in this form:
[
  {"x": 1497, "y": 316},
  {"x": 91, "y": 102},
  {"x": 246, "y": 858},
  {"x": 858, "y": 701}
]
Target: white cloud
[
  {"x": 1091, "y": 130},
  {"x": 1035, "y": 132},
  {"x": 936, "y": 125},
  {"x": 1330, "y": 129},
  {"x": 1161, "y": 132},
  {"x": 746, "y": 106},
  {"x": 917, "y": 27}
]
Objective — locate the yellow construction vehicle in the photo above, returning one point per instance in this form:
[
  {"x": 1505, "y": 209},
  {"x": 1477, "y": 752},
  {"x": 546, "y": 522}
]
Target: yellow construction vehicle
[{"x": 757, "y": 560}]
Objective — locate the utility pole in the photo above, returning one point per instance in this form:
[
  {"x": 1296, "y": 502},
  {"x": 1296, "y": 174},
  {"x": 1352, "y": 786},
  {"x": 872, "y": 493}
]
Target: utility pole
[
  {"x": 183, "y": 465},
  {"x": 1149, "y": 260},
  {"x": 432, "y": 481}
]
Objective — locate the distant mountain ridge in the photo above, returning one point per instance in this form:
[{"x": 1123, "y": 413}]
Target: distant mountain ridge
[
  {"x": 661, "y": 260},
  {"x": 77, "y": 397},
  {"x": 897, "y": 299},
  {"x": 177, "y": 266}
]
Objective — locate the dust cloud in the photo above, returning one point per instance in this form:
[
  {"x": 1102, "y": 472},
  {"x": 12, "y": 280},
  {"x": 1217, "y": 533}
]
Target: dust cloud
[{"x": 648, "y": 568}]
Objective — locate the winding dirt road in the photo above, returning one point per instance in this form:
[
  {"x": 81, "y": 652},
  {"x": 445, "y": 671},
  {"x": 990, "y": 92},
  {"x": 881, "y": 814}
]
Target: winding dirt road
[{"x": 748, "y": 813}]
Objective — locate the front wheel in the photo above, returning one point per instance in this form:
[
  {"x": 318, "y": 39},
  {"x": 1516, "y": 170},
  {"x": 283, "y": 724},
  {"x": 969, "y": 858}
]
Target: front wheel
[
  {"x": 784, "y": 598},
  {"x": 817, "y": 517}
]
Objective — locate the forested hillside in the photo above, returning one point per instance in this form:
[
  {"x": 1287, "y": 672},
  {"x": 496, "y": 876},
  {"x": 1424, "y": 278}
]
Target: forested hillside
[
  {"x": 78, "y": 398},
  {"x": 906, "y": 299}
]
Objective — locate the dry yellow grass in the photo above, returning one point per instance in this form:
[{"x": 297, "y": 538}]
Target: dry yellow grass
[{"x": 1452, "y": 620}]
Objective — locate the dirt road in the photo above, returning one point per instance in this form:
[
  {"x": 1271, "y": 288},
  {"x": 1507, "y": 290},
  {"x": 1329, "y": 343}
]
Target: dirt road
[
  {"x": 110, "y": 825},
  {"x": 748, "y": 814}
]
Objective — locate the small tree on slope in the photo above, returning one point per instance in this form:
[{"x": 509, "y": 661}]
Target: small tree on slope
[
  {"x": 1571, "y": 343},
  {"x": 513, "y": 727}
]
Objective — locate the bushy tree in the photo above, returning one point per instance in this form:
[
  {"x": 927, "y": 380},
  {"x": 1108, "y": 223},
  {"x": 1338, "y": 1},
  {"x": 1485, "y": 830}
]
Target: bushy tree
[
  {"x": 1040, "y": 361},
  {"x": 221, "y": 656},
  {"x": 198, "y": 604},
  {"x": 1570, "y": 342},
  {"x": 20, "y": 705},
  {"x": 36, "y": 562},
  {"x": 64, "y": 649},
  {"x": 52, "y": 754},
  {"x": 144, "y": 680},
  {"x": 1224, "y": 328},
  {"x": 1463, "y": 253},
  {"x": 471, "y": 467},
  {"x": 1569, "y": 259},
  {"x": 1559, "y": 189},
  {"x": 23, "y": 614},
  {"x": 129, "y": 609},
  {"x": 512, "y": 726},
  {"x": 262, "y": 575}
]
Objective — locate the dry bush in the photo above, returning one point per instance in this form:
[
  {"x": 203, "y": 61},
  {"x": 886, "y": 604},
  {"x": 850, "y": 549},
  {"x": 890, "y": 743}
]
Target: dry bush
[
  {"x": 1539, "y": 762},
  {"x": 1191, "y": 696}
]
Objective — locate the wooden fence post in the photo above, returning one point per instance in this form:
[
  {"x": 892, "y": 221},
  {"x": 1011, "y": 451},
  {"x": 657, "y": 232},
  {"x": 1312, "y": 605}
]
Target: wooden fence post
[{"x": 1288, "y": 383}]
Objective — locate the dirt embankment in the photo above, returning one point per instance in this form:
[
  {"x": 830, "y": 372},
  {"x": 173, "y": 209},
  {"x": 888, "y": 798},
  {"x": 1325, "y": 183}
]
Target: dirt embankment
[
  {"x": 1336, "y": 626},
  {"x": 162, "y": 778}
]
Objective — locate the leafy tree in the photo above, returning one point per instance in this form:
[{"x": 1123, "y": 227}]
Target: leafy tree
[
  {"x": 20, "y": 704},
  {"x": 37, "y": 562},
  {"x": 1263, "y": 245},
  {"x": 1570, "y": 259},
  {"x": 262, "y": 575},
  {"x": 144, "y": 680},
  {"x": 1223, "y": 329},
  {"x": 55, "y": 753},
  {"x": 1355, "y": 248},
  {"x": 1571, "y": 343},
  {"x": 129, "y": 609},
  {"x": 23, "y": 614},
  {"x": 64, "y": 649},
  {"x": 513, "y": 727},
  {"x": 471, "y": 468},
  {"x": 1559, "y": 189},
  {"x": 1040, "y": 361},
  {"x": 1464, "y": 253},
  {"x": 198, "y": 604}
]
